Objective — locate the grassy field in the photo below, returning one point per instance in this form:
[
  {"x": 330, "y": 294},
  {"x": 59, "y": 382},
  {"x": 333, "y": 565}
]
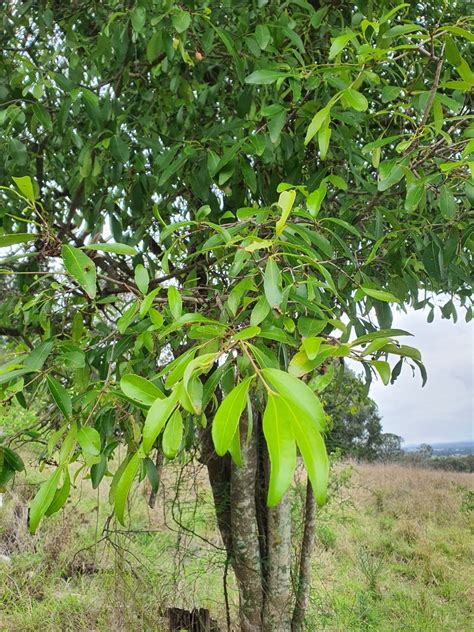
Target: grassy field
[{"x": 394, "y": 552}]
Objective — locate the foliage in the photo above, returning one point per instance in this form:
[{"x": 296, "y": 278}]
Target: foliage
[
  {"x": 355, "y": 425},
  {"x": 220, "y": 196}
]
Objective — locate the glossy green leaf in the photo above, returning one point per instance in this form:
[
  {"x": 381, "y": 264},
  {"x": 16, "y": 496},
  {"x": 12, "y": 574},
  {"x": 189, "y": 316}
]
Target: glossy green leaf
[
  {"x": 175, "y": 302},
  {"x": 60, "y": 396},
  {"x": 172, "y": 435},
  {"x": 89, "y": 440},
  {"x": 142, "y": 278},
  {"x": 117, "y": 248},
  {"x": 81, "y": 268},
  {"x": 383, "y": 369},
  {"x": 25, "y": 186},
  {"x": 16, "y": 238},
  {"x": 123, "y": 486},
  {"x": 380, "y": 295},
  {"x": 285, "y": 202},
  {"x": 281, "y": 447},
  {"x": 140, "y": 390},
  {"x": 226, "y": 419},
  {"x": 156, "y": 418},
  {"x": 272, "y": 284},
  {"x": 43, "y": 499}
]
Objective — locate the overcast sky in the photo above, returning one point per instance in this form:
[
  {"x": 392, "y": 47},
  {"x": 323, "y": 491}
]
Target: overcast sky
[{"x": 444, "y": 409}]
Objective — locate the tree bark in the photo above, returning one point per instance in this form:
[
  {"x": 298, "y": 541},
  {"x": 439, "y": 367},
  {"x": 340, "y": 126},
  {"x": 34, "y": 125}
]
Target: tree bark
[
  {"x": 245, "y": 537},
  {"x": 276, "y": 611},
  {"x": 307, "y": 548}
]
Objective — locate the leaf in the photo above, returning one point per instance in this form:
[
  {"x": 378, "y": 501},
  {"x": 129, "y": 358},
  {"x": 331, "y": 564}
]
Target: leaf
[
  {"x": 60, "y": 396},
  {"x": 383, "y": 369},
  {"x": 175, "y": 302},
  {"x": 156, "y": 418},
  {"x": 127, "y": 317},
  {"x": 447, "y": 203},
  {"x": 380, "y": 295},
  {"x": 172, "y": 435},
  {"x": 275, "y": 125},
  {"x": 142, "y": 278},
  {"x": 281, "y": 447},
  {"x": 61, "y": 495},
  {"x": 297, "y": 391},
  {"x": 313, "y": 451},
  {"x": 311, "y": 346},
  {"x": 415, "y": 190},
  {"x": 272, "y": 284},
  {"x": 247, "y": 333},
  {"x": 89, "y": 440},
  {"x": 309, "y": 327},
  {"x": 356, "y": 100},
  {"x": 316, "y": 122},
  {"x": 316, "y": 198},
  {"x": 117, "y": 248},
  {"x": 339, "y": 43},
  {"x": 43, "y": 499},
  {"x": 123, "y": 486},
  {"x": 181, "y": 21},
  {"x": 81, "y": 268},
  {"x": 25, "y": 186},
  {"x": 259, "y": 312},
  {"x": 140, "y": 390},
  {"x": 264, "y": 77},
  {"x": 16, "y": 238},
  {"x": 324, "y": 136},
  {"x": 285, "y": 202},
  {"x": 227, "y": 417}
]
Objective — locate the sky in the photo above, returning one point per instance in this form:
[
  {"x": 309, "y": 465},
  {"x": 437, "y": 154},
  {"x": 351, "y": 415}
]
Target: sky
[{"x": 443, "y": 410}]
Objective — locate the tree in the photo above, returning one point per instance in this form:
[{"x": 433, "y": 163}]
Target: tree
[
  {"x": 391, "y": 447},
  {"x": 355, "y": 426},
  {"x": 214, "y": 203}
]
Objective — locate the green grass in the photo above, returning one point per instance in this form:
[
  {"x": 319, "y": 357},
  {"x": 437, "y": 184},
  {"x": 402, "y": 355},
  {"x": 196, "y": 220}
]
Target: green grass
[{"x": 393, "y": 553}]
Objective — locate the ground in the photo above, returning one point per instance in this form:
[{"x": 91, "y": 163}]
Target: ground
[{"x": 394, "y": 552}]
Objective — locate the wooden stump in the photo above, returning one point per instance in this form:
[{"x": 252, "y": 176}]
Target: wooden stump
[{"x": 196, "y": 620}]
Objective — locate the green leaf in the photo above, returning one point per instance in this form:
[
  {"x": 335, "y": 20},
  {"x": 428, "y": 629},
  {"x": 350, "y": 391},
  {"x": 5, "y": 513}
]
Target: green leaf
[
  {"x": 16, "y": 238},
  {"x": 447, "y": 203},
  {"x": 181, "y": 21},
  {"x": 25, "y": 186},
  {"x": 60, "y": 396},
  {"x": 89, "y": 440},
  {"x": 173, "y": 435},
  {"x": 299, "y": 393},
  {"x": 123, "y": 486},
  {"x": 81, "y": 268},
  {"x": 227, "y": 417},
  {"x": 43, "y": 499},
  {"x": 316, "y": 122},
  {"x": 148, "y": 302},
  {"x": 383, "y": 369},
  {"x": 311, "y": 346},
  {"x": 309, "y": 327},
  {"x": 175, "y": 302},
  {"x": 285, "y": 202},
  {"x": 339, "y": 43},
  {"x": 142, "y": 278},
  {"x": 61, "y": 495},
  {"x": 127, "y": 317},
  {"x": 140, "y": 390},
  {"x": 247, "y": 333},
  {"x": 117, "y": 248},
  {"x": 156, "y": 418},
  {"x": 264, "y": 77},
  {"x": 313, "y": 451},
  {"x": 380, "y": 295},
  {"x": 415, "y": 190},
  {"x": 272, "y": 284},
  {"x": 316, "y": 198},
  {"x": 281, "y": 447},
  {"x": 356, "y": 100},
  {"x": 259, "y": 312},
  {"x": 324, "y": 136}
]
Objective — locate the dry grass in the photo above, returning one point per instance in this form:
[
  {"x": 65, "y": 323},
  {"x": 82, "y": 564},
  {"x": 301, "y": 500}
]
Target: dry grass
[{"x": 393, "y": 554}]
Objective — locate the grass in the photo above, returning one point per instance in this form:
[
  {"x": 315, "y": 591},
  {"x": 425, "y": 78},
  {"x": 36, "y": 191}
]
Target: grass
[{"x": 393, "y": 553}]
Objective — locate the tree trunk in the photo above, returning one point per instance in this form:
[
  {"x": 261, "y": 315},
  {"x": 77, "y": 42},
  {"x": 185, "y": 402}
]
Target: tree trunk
[
  {"x": 307, "y": 548},
  {"x": 258, "y": 539},
  {"x": 245, "y": 537},
  {"x": 276, "y": 612}
]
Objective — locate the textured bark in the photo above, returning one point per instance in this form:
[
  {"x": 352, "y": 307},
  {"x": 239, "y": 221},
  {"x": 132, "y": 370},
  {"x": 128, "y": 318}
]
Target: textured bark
[
  {"x": 276, "y": 611},
  {"x": 245, "y": 537},
  {"x": 218, "y": 469},
  {"x": 304, "y": 574}
]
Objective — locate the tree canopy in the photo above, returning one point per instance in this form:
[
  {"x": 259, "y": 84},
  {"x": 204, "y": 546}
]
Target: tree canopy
[{"x": 207, "y": 206}]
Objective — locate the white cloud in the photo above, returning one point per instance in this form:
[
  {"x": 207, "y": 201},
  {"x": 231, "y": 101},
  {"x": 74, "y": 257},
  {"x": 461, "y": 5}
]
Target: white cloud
[{"x": 444, "y": 409}]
